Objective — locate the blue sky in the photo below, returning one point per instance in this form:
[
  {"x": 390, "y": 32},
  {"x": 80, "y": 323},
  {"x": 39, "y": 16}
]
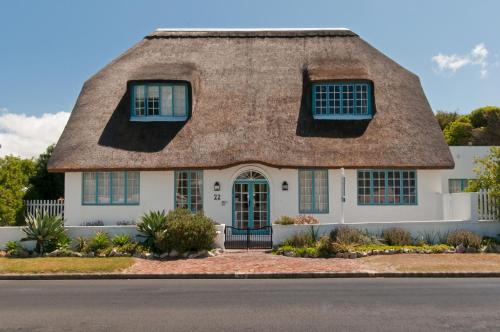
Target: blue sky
[{"x": 49, "y": 48}]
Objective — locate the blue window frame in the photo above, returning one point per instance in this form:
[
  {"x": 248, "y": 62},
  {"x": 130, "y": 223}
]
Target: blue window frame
[
  {"x": 457, "y": 185},
  {"x": 348, "y": 100},
  {"x": 313, "y": 191},
  {"x": 189, "y": 190},
  {"x": 159, "y": 101},
  {"x": 387, "y": 187},
  {"x": 110, "y": 188}
]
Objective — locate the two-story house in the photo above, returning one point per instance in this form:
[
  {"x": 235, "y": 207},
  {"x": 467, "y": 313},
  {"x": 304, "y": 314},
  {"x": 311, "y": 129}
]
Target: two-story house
[{"x": 250, "y": 125}]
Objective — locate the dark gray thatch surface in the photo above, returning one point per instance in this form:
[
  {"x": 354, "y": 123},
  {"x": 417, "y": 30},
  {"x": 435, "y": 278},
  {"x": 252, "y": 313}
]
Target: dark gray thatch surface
[{"x": 251, "y": 103}]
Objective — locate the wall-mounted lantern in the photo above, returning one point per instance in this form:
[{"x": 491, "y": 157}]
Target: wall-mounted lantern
[
  {"x": 284, "y": 186},
  {"x": 216, "y": 186}
]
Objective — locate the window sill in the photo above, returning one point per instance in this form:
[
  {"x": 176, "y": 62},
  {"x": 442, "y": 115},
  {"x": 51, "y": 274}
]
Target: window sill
[
  {"x": 342, "y": 117},
  {"x": 158, "y": 118}
]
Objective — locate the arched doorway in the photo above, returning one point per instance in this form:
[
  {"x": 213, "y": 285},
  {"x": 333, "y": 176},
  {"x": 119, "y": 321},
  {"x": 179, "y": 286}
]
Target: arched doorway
[{"x": 251, "y": 201}]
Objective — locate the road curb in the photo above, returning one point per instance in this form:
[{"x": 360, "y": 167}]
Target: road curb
[{"x": 279, "y": 275}]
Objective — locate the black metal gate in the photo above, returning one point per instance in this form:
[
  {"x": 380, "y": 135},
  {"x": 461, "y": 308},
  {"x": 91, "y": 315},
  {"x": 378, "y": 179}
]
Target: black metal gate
[{"x": 250, "y": 238}]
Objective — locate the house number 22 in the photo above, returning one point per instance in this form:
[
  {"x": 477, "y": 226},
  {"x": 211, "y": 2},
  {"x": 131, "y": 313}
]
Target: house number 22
[{"x": 216, "y": 197}]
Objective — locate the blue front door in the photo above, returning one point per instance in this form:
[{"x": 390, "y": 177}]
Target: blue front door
[{"x": 250, "y": 203}]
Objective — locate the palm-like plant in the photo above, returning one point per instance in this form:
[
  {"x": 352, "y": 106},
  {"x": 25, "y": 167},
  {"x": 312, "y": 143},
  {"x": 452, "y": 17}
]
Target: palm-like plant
[
  {"x": 43, "y": 229},
  {"x": 152, "y": 227}
]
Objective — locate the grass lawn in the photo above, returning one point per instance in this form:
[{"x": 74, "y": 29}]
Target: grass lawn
[
  {"x": 64, "y": 264},
  {"x": 433, "y": 263}
]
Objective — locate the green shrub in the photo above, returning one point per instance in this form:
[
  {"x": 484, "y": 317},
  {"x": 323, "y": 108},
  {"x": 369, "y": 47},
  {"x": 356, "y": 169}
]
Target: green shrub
[
  {"x": 306, "y": 220},
  {"x": 44, "y": 229},
  {"x": 464, "y": 237},
  {"x": 63, "y": 242},
  {"x": 300, "y": 240},
  {"x": 189, "y": 232},
  {"x": 99, "y": 242},
  {"x": 348, "y": 235},
  {"x": 324, "y": 246},
  {"x": 12, "y": 247},
  {"x": 284, "y": 220},
  {"x": 152, "y": 228},
  {"x": 81, "y": 244},
  {"x": 121, "y": 240},
  {"x": 397, "y": 236}
]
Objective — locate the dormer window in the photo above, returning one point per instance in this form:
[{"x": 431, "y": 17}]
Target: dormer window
[
  {"x": 342, "y": 100},
  {"x": 159, "y": 102}
]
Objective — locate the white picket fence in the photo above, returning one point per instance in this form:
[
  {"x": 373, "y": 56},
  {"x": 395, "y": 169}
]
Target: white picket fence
[
  {"x": 49, "y": 206},
  {"x": 488, "y": 207}
]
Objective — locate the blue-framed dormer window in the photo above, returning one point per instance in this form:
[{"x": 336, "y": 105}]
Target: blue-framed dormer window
[
  {"x": 110, "y": 188},
  {"x": 189, "y": 190},
  {"x": 313, "y": 191},
  {"x": 387, "y": 187},
  {"x": 159, "y": 102},
  {"x": 345, "y": 100}
]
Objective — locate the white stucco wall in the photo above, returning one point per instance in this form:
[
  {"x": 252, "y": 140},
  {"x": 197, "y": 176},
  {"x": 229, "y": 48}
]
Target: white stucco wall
[
  {"x": 464, "y": 157},
  {"x": 157, "y": 193}
]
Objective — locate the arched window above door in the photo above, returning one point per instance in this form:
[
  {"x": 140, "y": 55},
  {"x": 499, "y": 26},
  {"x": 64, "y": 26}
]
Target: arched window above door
[{"x": 250, "y": 175}]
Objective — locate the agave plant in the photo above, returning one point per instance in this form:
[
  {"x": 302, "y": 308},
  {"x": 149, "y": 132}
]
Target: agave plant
[
  {"x": 43, "y": 229},
  {"x": 152, "y": 228}
]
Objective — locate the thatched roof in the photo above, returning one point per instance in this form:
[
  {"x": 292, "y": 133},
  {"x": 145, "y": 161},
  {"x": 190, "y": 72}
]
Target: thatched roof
[{"x": 251, "y": 103}]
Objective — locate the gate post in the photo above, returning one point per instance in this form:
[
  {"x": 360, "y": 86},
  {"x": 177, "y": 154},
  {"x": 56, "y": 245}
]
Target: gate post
[{"x": 248, "y": 238}]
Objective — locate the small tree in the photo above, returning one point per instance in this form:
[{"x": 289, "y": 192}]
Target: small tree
[
  {"x": 445, "y": 118},
  {"x": 488, "y": 172},
  {"x": 45, "y": 185},
  {"x": 458, "y": 132},
  {"x": 14, "y": 181}
]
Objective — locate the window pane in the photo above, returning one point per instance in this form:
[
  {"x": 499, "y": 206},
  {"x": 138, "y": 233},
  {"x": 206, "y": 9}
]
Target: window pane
[
  {"x": 196, "y": 191},
  {"x": 118, "y": 187},
  {"x": 180, "y": 100},
  {"x": 89, "y": 187},
  {"x": 305, "y": 190},
  {"x": 153, "y": 100},
  {"x": 139, "y": 100},
  {"x": 103, "y": 188},
  {"x": 348, "y": 99},
  {"x": 321, "y": 190},
  {"x": 363, "y": 187},
  {"x": 166, "y": 101},
  {"x": 361, "y": 99},
  {"x": 181, "y": 196},
  {"x": 133, "y": 188}
]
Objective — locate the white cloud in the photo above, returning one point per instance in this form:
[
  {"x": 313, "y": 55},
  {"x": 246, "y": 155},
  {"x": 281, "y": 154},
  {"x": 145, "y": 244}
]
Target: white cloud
[
  {"x": 28, "y": 136},
  {"x": 478, "y": 56}
]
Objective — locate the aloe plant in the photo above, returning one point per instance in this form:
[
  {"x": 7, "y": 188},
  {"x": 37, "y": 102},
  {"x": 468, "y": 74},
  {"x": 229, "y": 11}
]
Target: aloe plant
[
  {"x": 152, "y": 228},
  {"x": 43, "y": 229}
]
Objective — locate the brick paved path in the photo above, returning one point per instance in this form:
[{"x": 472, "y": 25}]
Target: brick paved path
[{"x": 240, "y": 261}]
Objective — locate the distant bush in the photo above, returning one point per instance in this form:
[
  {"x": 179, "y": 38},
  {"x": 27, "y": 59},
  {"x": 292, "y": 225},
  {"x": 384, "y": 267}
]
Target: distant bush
[
  {"x": 284, "y": 220},
  {"x": 306, "y": 220},
  {"x": 303, "y": 239},
  {"x": 464, "y": 237},
  {"x": 397, "y": 236},
  {"x": 299, "y": 220}
]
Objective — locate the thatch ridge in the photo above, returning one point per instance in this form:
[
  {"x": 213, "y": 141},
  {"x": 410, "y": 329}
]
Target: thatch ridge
[{"x": 251, "y": 103}]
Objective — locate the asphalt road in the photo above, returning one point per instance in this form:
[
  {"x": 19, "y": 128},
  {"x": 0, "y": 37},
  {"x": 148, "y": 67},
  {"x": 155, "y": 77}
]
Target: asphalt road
[{"x": 251, "y": 305}]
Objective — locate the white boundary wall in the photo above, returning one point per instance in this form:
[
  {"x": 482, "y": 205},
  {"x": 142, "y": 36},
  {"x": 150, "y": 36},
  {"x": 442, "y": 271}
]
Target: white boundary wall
[
  {"x": 16, "y": 234},
  {"x": 417, "y": 228}
]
